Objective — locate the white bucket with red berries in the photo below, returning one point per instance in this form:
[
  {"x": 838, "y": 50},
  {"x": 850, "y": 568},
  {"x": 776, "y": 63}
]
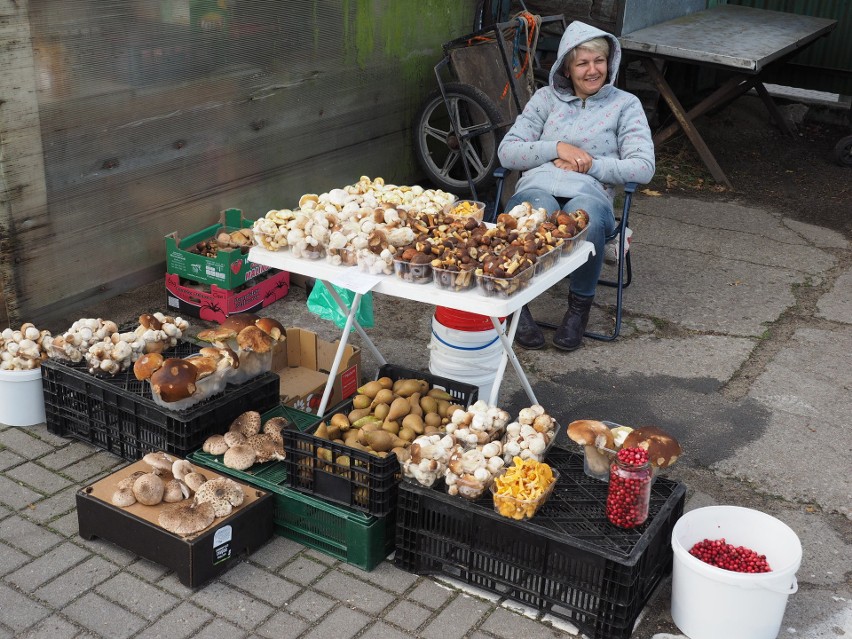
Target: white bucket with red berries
[{"x": 709, "y": 602}]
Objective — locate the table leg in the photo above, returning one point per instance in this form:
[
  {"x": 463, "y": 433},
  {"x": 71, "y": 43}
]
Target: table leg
[
  {"x": 685, "y": 123},
  {"x": 509, "y": 354},
  {"x": 780, "y": 120},
  {"x": 338, "y": 356},
  {"x": 731, "y": 89},
  {"x": 358, "y": 328}
]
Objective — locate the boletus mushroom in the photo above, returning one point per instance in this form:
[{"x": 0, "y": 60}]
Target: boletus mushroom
[
  {"x": 593, "y": 435},
  {"x": 175, "y": 380}
]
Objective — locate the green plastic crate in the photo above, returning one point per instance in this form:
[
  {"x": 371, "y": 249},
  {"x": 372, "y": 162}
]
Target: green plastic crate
[
  {"x": 228, "y": 270},
  {"x": 351, "y": 536}
]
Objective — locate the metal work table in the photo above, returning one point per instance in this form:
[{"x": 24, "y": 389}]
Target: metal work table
[
  {"x": 472, "y": 301},
  {"x": 743, "y": 40}
]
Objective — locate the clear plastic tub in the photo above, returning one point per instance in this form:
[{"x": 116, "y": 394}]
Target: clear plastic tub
[
  {"x": 521, "y": 509},
  {"x": 548, "y": 260},
  {"x": 453, "y": 280},
  {"x": 570, "y": 244},
  {"x": 348, "y": 256},
  {"x": 465, "y": 209},
  {"x": 414, "y": 273},
  {"x": 505, "y": 286}
]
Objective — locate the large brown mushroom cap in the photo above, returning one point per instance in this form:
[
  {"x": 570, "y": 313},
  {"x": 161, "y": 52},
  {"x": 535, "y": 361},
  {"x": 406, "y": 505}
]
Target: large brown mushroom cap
[
  {"x": 663, "y": 449},
  {"x": 251, "y": 338},
  {"x": 175, "y": 380},
  {"x": 147, "y": 365},
  {"x": 239, "y": 321},
  {"x": 271, "y": 327},
  {"x": 187, "y": 517},
  {"x": 590, "y": 432},
  {"x": 206, "y": 365},
  {"x": 217, "y": 334}
]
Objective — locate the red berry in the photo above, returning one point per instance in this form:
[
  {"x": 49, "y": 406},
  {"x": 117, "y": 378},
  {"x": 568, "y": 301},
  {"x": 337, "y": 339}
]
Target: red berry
[{"x": 729, "y": 557}]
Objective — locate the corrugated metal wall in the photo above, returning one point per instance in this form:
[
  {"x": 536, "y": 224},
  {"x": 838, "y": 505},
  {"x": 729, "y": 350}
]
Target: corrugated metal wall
[
  {"x": 826, "y": 65},
  {"x": 123, "y": 120}
]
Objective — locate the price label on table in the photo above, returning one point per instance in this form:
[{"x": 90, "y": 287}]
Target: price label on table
[{"x": 356, "y": 281}]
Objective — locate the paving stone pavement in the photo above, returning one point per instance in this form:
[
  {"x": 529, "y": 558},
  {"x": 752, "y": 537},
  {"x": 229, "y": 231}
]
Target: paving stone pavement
[{"x": 55, "y": 584}]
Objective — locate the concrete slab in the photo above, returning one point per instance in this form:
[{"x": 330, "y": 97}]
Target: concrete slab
[{"x": 836, "y": 305}]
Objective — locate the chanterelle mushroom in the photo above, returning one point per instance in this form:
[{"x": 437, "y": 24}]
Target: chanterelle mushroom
[
  {"x": 187, "y": 517},
  {"x": 223, "y": 493}
]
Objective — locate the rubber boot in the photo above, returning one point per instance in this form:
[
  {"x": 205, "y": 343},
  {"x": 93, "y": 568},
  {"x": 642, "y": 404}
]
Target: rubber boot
[
  {"x": 529, "y": 333},
  {"x": 569, "y": 335}
]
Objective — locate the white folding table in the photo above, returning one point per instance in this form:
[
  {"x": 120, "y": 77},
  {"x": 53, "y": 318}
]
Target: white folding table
[{"x": 472, "y": 301}]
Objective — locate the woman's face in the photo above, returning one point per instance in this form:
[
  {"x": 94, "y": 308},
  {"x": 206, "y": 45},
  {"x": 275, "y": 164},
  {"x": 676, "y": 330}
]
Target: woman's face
[{"x": 587, "y": 72}]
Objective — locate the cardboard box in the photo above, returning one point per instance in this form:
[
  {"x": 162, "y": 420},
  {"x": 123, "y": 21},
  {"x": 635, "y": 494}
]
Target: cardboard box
[
  {"x": 196, "y": 558},
  {"x": 216, "y": 304},
  {"x": 303, "y": 365},
  {"x": 230, "y": 267}
]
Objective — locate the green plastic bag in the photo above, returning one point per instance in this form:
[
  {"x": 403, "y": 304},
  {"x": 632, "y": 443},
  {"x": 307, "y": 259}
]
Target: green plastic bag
[{"x": 322, "y": 304}]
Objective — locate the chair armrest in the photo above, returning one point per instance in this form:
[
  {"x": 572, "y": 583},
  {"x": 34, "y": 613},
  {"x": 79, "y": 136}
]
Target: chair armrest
[
  {"x": 630, "y": 187},
  {"x": 501, "y": 172}
]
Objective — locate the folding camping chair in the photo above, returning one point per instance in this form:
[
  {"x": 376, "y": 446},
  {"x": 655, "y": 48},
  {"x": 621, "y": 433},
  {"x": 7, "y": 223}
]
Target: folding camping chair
[{"x": 619, "y": 240}]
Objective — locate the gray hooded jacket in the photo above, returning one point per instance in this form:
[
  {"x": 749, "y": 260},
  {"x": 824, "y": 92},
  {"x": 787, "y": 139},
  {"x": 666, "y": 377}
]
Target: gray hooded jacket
[{"x": 610, "y": 126}]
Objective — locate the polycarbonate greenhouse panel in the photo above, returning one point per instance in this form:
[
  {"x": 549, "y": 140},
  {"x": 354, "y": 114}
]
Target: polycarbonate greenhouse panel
[{"x": 125, "y": 120}]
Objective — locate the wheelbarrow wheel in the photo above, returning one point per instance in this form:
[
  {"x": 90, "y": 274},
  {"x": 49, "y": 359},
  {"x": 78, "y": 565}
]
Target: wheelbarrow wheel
[
  {"x": 439, "y": 147},
  {"x": 843, "y": 151}
]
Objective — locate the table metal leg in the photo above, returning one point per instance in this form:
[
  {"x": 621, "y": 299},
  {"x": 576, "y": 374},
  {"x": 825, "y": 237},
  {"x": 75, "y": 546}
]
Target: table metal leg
[
  {"x": 685, "y": 123},
  {"x": 509, "y": 354},
  {"x": 360, "y": 329}
]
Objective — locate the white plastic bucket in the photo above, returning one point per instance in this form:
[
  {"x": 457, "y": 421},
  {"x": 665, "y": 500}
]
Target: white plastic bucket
[
  {"x": 713, "y": 603},
  {"x": 470, "y": 357},
  {"x": 21, "y": 398}
]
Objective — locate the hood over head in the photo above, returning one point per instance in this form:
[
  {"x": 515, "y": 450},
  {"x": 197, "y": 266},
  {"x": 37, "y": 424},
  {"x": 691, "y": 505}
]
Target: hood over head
[{"x": 576, "y": 34}]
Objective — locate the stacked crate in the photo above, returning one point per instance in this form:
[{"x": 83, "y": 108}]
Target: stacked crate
[
  {"x": 349, "y": 515},
  {"x": 117, "y": 413},
  {"x": 213, "y": 287}
]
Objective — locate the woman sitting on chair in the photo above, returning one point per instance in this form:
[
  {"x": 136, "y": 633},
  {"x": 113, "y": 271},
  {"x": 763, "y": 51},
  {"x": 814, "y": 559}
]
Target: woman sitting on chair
[{"x": 575, "y": 139}]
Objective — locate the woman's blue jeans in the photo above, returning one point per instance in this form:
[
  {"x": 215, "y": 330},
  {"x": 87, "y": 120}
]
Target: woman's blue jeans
[{"x": 584, "y": 280}]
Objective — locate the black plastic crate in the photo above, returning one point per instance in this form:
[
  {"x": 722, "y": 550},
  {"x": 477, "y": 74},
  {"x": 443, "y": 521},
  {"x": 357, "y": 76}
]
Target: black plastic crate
[
  {"x": 568, "y": 560},
  {"x": 365, "y": 481},
  {"x": 118, "y": 413}
]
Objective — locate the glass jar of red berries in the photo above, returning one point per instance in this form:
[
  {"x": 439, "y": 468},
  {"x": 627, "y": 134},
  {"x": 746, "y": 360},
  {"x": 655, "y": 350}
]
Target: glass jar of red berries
[{"x": 629, "y": 495}]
